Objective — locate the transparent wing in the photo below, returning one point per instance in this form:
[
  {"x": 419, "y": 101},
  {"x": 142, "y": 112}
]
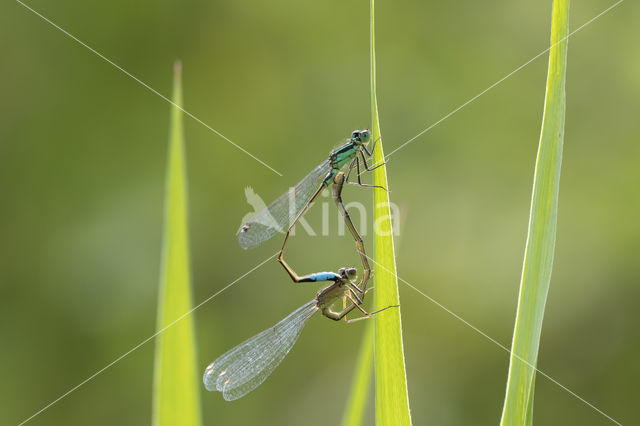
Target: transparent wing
[
  {"x": 243, "y": 368},
  {"x": 279, "y": 215}
]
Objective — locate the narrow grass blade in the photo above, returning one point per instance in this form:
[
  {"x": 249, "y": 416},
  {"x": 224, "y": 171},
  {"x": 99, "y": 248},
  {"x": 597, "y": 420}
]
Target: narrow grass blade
[
  {"x": 392, "y": 400},
  {"x": 358, "y": 396},
  {"x": 176, "y": 396},
  {"x": 538, "y": 257}
]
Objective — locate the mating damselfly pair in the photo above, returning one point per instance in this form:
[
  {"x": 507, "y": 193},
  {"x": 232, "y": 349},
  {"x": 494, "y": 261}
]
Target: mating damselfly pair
[{"x": 243, "y": 368}]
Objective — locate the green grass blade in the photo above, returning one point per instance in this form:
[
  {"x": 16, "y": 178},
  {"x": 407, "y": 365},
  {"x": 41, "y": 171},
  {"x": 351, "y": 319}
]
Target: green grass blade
[
  {"x": 392, "y": 400},
  {"x": 176, "y": 396},
  {"x": 538, "y": 257},
  {"x": 358, "y": 396}
]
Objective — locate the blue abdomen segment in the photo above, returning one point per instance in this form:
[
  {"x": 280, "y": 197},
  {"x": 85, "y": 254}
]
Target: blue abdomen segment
[{"x": 321, "y": 276}]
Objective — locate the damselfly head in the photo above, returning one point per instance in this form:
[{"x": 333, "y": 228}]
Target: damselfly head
[
  {"x": 361, "y": 136},
  {"x": 348, "y": 273}
]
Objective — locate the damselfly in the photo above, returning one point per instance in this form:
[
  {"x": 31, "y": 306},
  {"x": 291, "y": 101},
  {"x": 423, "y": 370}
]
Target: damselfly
[
  {"x": 287, "y": 210},
  {"x": 243, "y": 368}
]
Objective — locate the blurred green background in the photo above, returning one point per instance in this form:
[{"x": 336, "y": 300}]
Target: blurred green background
[{"x": 82, "y": 163}]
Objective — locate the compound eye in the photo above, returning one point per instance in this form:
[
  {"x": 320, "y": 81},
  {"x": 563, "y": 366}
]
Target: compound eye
[
  {"x": 355, "y": 134},
  {"x": 365, "y": 135}
]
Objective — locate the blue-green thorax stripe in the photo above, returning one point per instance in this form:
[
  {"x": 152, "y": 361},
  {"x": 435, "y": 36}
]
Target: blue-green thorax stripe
[{"x": 344, "y": 154}]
